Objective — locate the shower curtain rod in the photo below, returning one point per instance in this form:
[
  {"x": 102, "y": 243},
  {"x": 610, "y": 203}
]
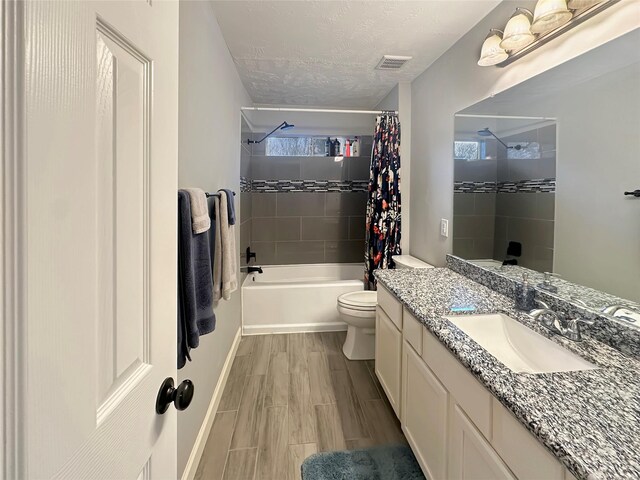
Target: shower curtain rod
[{"x": 316, "y": 110}]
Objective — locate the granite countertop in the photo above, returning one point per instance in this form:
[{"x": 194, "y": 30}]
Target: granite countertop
[{"x": 590, "y": 420}]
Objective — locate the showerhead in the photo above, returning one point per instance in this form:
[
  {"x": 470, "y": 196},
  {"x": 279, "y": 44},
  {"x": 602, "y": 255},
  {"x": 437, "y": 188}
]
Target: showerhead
[
  {"x": 283, "y": 126},
  {"x": 485, "y": 132}
]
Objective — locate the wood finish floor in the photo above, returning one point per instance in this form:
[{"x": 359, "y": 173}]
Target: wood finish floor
[{"x": 289, "y": 396}]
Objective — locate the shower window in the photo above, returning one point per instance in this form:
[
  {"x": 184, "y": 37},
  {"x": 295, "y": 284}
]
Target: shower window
[
  {"x": 298, "y": 146},
  {"x": 469, "y": 151}
]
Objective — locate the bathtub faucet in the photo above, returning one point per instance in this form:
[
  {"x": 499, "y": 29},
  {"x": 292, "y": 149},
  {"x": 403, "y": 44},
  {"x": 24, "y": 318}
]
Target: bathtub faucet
[{"x": 253, "y": 269}]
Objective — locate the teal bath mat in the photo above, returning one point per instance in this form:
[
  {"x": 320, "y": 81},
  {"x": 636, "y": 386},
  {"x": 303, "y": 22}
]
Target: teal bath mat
[{"x": 391, "y": 462}]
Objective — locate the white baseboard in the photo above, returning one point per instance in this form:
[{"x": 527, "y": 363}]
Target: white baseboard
[
  {"x": 293, "y": 328},
  {"x": 201, "y": 440}
]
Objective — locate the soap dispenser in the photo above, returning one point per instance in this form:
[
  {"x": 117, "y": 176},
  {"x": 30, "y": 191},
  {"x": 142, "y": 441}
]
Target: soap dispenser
[{"x": 525, "y": 294}]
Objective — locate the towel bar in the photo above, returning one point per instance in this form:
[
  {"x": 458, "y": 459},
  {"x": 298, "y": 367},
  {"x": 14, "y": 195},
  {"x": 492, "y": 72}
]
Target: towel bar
[{"x": 217, "y": 194}]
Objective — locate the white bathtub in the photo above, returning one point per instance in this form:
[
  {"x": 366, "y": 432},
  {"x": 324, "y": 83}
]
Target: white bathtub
[{"x": 297, "y": 298}]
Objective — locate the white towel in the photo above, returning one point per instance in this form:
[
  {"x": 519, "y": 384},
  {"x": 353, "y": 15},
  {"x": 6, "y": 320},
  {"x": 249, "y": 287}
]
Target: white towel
[
  {"x": 217, "y": 259},
  {"x": 226, "y": 259},
  {"x": 200, "y": 221}
]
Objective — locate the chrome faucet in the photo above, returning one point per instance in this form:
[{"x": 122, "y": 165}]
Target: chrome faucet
[
  {"x": 629, "y": 315},
  {"x": 546, "y": 283},
  {"x": 559, "y": 322}
]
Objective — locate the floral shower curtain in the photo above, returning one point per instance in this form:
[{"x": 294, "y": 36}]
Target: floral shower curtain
[{"x": 383, "y": 204}]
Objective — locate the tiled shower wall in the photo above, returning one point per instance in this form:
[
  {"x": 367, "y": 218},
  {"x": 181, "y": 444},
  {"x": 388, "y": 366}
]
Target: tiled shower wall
[
  {"x": 520, "y": 208},
  {"x": 306, "y": 226}
]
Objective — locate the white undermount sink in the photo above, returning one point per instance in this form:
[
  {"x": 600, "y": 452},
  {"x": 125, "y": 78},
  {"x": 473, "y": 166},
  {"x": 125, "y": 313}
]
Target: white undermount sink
[{"x": 521, "y": 349}]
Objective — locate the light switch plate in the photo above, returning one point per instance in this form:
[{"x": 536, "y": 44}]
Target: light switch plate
[{"x": 444, "y": 227}]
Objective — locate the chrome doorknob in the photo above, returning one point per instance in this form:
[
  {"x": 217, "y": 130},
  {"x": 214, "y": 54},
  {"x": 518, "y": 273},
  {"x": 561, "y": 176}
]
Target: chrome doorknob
[{"x": 180, "y": 396}]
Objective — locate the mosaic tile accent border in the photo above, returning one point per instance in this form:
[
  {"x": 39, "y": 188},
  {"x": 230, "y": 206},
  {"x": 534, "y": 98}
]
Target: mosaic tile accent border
[
  {"x": 542, "y": 185},
  {"x": 245, "y": 184},
  {"x": 474, "y": 187},
  {"x": 282, "y": 186}
]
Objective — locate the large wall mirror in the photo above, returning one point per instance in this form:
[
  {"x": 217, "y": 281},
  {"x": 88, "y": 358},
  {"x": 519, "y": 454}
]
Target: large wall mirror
[{"x": 541, "y": 172}]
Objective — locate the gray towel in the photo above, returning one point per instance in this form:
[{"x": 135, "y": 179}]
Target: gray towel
[
  {"x": 195, "y": 283},
  {"x": 231, "y": 208}
]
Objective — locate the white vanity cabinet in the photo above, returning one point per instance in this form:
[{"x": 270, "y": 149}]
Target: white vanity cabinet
[
  {"x": 471, "y": 456},
  {"x": 425, "y": 404},
  {"x": 456, "y": 428}
]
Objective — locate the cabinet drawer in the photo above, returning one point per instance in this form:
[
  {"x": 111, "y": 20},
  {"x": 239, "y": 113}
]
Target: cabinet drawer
[
  {"x": 524, "y": 454},
  {"x": 391, "y": 306},
  {"x": 412, "y": 330},
  {"x": 474, "y": 399}
]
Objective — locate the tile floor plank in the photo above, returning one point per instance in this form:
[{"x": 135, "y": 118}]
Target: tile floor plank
[
  {"x": 371, "y": 366},
  {"x": 333, "y": 341},
  {"x": 384, "y": 426},
  {"x": 247, "y": 428},
  {"x": 302, "y": 417},
  {"x": 279, "y": 343},
  {"x": 277, "y": 382},
  {"x": 260, "y": 355},
  {"x": 214, "y": 455},
  {"x": 246, "y": 345},
  {"x": 362, "y": 380},
  {"x": 297, "y": 353},
  {"x": 330, "y": 435},
  {"x": 336, "y": 361},
  {"x": 235, "y": 384},
  {"x": 238, "y": 447},
  {"x": 358, "y": 443},
  {"x": 354, "y": 423},
  {"x": 297, "y": 455},
  {"x": 241, "y": 464},
  {"x": 272, "y": 448},
  {"x": 313, "y": 342},
  {"x": 320, "y": 379}
]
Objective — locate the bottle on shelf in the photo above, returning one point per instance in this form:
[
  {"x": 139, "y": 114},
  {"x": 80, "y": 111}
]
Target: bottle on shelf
[
  {"x": 347, "y": 148},
  {"x": 338, "y": 146},
  {"x": 355, "y": 147},
  {"x": 327, "y": 147}
]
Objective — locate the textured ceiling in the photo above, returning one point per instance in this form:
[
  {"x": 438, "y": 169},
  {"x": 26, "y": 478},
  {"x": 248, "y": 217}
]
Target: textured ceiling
[{"x": 323, "y": 53}]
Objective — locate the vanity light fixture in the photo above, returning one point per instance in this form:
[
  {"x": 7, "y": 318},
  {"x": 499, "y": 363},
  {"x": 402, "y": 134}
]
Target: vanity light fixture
[
  {"x": 517, "y": 33},
  {"x": 549, "y": 15},
  {"x": 525, "y": 32},
  {"x": 580, "y": 4},
  {"x": 492, "y": 53}
]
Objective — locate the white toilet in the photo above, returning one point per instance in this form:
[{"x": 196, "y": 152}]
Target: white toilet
[{"x": 358, "y": 310}]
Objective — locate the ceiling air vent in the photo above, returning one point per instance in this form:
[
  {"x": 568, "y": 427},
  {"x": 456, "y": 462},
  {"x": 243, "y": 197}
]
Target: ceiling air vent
[{"x": 392, "y": 62}]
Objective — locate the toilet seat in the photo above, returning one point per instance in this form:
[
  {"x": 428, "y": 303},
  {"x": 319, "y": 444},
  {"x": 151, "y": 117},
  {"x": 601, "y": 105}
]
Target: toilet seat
[{"x": 364, "y": 300}]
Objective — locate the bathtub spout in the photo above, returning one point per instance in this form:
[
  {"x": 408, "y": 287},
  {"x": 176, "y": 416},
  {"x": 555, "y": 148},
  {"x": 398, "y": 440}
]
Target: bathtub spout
[{"x": 253, "y": 269}]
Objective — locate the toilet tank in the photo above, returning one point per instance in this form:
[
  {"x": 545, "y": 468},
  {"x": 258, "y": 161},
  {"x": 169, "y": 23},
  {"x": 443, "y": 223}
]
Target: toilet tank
[{"x": 407, "y": 261}]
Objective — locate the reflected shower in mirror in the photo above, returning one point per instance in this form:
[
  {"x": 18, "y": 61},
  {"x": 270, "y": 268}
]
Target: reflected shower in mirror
[
  {"x": 504, "y": 191},
  {"x": 541, "y": 170}
]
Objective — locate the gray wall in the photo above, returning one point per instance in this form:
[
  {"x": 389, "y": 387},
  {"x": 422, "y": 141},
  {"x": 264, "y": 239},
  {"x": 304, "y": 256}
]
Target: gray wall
[
  {"x": 306, "y": 227},
  {"x": 594, "y": 220},
  {"x": 452, "y": 83},
  {"x": 210, "y": 97}
]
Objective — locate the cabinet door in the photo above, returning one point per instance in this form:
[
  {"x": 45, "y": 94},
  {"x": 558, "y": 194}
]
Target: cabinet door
[
  {"x": 388, "y": 358},
  {"x": 471, "y": 456},
  {"x": 424, "y": 414}
]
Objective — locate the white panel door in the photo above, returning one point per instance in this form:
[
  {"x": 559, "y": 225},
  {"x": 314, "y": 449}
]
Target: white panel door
[{"x": 99, "y": 204}]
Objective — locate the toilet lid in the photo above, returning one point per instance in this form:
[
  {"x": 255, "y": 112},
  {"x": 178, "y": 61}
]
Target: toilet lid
[{"x": 362, "y": 300}]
